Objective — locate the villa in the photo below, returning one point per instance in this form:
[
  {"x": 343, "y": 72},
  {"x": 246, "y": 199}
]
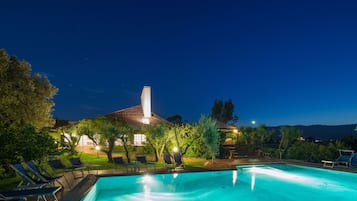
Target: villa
[
  {"x": 135, "y": 116},
  {"x": 139, "y": 115}
]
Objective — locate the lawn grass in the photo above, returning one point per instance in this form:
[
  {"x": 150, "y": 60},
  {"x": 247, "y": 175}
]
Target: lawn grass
[
  {"x": 9, "y": 183},
  {"x": 86, "y": 158}
]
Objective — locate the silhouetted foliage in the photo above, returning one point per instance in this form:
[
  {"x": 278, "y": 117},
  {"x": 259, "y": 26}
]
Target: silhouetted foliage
[
  {"x": 288, "y": 136},
  {"x": 256, "y": 138},
  {"x": 61, "y": 123},
  {"x": 175, "y": 119},
  {"x": 223, "y": 111},
  {"x": 217, "y": 110},
  {"x": 314, "y": 152},
  {"x": 350, "y": 141}
]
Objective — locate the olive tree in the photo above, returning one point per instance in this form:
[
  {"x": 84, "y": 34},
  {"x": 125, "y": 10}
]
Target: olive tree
[
  {"x": 157, "y": 135},
  {"x": 110, "y": 129},
  {"x": 69, "y": 138},
  {"x": 25, "y": 98},
  {"x": 204, "y": 133}
]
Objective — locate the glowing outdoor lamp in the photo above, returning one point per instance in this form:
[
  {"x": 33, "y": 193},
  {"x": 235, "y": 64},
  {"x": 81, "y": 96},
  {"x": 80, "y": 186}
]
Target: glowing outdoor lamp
[
  {"x": 235, "y": 130},
  {"x": 253, "y": 122},
  {"x": 97, "y": 148},
  {"x": 175, "y": 149}
]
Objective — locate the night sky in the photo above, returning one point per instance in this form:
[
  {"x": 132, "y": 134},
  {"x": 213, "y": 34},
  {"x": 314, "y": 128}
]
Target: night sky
[{"x": 281, "y": 62}]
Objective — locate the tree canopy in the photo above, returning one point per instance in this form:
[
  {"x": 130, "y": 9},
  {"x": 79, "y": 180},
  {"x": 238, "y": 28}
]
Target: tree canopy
[
  {"x": 110, "y": 130},
  {"x": 223, "y": 111},
  {"x": 288, "y": 136},
  {"x": 204, "y": 134},
  {"x": 157, "y": 136},
  {"x": 23, "y": 144},
  {"x": 26, "y": 99},
  {"x": 175, "y": 119}
]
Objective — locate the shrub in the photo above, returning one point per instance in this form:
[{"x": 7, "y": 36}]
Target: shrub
[{"x": 23, "y": 145}]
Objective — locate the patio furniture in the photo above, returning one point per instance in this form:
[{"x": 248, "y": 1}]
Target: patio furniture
[
  {"x": 354, "y": 160},
  {"x": 78, "y": 165},
  {"x": 27, "y": 180},
  {"x": 24, "y": 194},
  {"x": 142, "y": 160},
  {"x": 129, "y": 166},
  {"x": 43, "y": 174},
  {"x": 57, "y": 164},
  {"x": 345, "y": 158},
  {"x": 327, "y": 163}
]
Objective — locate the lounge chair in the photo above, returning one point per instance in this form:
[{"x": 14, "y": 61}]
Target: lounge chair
[
  {"x": 43, "y": 174},
  {"x": 354, "y": 160},
  {"x": 23, "y": 194},
  {"x": 345, "y": 158},
  {"x": 27, "y": 179},
  {"x": 57, "y": 164},
  {"x": 129, "y": 166},
  {"x": 78, "y": 165},
  {"x": 142, "y": 160}
]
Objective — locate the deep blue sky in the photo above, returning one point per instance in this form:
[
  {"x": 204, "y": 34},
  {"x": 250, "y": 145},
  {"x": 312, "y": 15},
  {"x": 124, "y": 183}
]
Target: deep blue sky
[{"x": 281, "y": 62}]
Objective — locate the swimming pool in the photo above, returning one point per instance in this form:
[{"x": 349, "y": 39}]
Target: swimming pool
[{"x": 274, "y": 182}]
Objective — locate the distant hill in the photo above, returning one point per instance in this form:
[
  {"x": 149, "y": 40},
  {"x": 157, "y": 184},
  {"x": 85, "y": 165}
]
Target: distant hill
[{"x": 324, "y": 132}]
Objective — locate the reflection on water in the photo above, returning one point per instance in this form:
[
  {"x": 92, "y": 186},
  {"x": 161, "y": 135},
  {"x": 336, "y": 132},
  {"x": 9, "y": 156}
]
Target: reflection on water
[{"x": 249, "y": 183}]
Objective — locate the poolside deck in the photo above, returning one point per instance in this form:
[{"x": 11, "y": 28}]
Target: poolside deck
[{"x": 82, "y": 185}]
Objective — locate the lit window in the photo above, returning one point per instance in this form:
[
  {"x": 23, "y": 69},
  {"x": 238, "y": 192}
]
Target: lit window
[{"x": 139, "y": 139}]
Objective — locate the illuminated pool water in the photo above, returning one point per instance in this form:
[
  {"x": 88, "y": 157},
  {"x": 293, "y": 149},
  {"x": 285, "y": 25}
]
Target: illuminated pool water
[{"x": 277, "y": 182}]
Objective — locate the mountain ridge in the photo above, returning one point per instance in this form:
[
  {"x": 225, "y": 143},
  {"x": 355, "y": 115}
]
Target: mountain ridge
[{"x": 323, "y": 132}]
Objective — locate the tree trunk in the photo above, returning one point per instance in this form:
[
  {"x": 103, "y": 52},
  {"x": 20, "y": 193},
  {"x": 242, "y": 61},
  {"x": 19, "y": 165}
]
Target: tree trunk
[
  {"x": 162, "y": 150},
  {"x": 126, "y": 151},
  {"x": 280, "y": 145},
  {"x": 110, "y": 149},
  {"x": 156, "y": 155},
  {"x": 177, "y": 140}
]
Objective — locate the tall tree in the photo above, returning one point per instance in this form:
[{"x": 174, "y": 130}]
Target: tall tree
[
  {"x": 69, "y": 138},
  {"x": 88, "y": 127},
  {"x": 288, "y": 136},
  {"x": 185, "y": 136},
  {"x": 223, "y": 111},
  {"x": 217, "y": 110},
  {"x": 157, "y": 136},
  {"x": 25, "y": 98},
  {"x": 210, "y": 134},
  {"x": 111, "y": 129},
  {"x": 227, "y": 113}
]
